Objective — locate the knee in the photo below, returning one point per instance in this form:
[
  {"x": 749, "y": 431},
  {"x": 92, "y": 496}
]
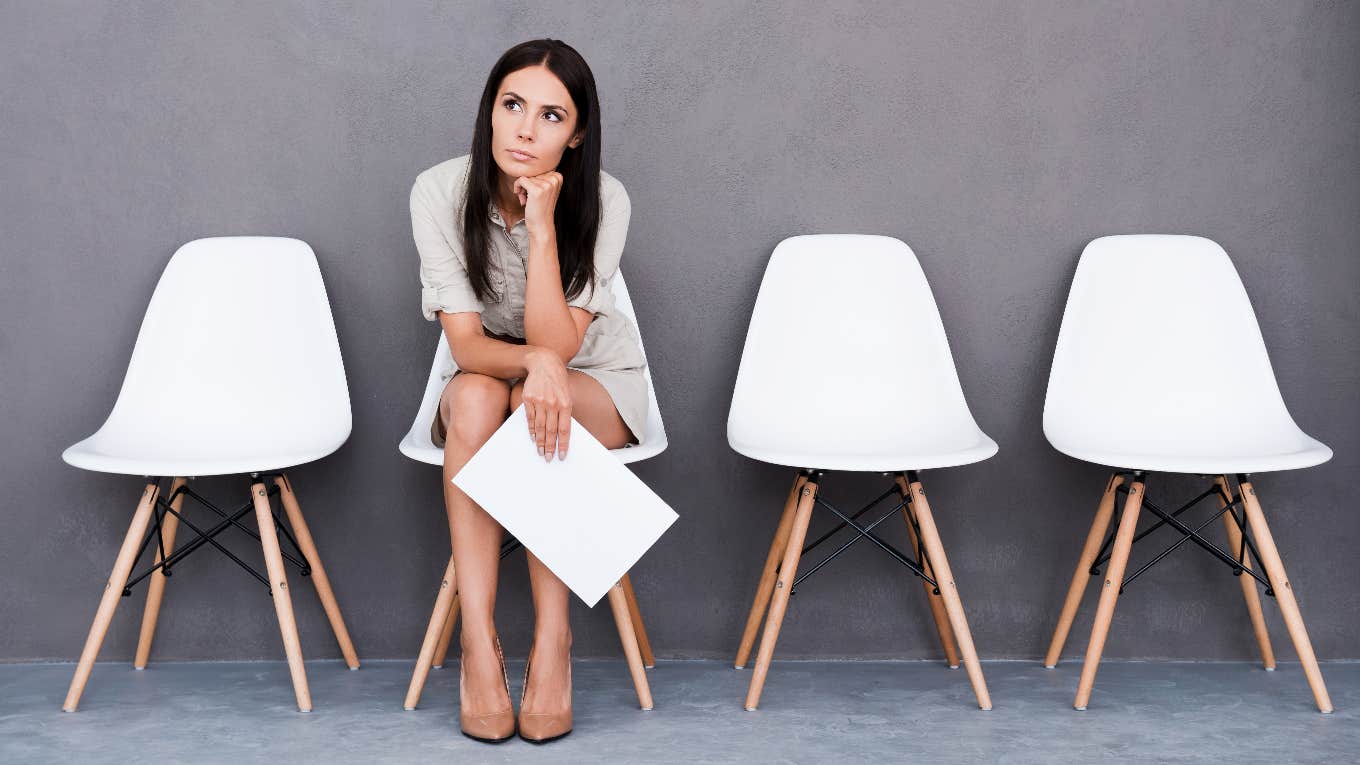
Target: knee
[{"x": 473, "y": 407}]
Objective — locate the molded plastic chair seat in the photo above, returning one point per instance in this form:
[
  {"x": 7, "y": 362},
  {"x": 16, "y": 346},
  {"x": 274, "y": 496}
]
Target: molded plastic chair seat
[
  {"x": 1160, "y": 366},
  {"x": 1204, "y": 400},
  {"x": 418, "y": 446},
  {"x": 236, "y": 369},
  {"x": 846, "y": 367},
  {"x": 238, "y": 341},
  {"x": 879, "y": 391},
  {"x": 622, "y": 601}
]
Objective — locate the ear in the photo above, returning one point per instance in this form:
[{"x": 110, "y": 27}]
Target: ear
[{"x": 577, "y": 140}]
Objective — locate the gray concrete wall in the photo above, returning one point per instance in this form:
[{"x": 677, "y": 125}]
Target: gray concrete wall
[{"x": 995, "y": 138}]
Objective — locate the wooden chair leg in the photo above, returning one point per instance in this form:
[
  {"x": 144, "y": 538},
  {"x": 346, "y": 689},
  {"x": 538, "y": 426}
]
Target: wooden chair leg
[
  {"x": 1284, "y": 594},
  {"x": 937, "y": 609},
  {"x": 766, "y": 585},
  {"x": 1109, "y": 594},
  {"x": 644, "y": 645},
  {"x": 779, "y": 603},
  {"x": 318, "y": 575},
  {"x": 440, "y": 620},
  {"x": 1080, "y": 578},
  {"x": 283, "y": 604},
  {"x": 949, "y": 590},
  {"x": 623, "y": 619},
  {"x": 155, "y": 588},
  {"x": 446, "y": 635},
  {"x": 113, "y": 592},
  {"x": 1249, "y": 591}
]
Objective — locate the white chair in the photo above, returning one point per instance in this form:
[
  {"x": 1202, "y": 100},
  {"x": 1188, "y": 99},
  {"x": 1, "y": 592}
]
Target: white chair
[
  {"x": 236, "y": 369},
  {"x": 627, "y": 617},
  {"x": 1209, "y": 405},
  {"x": 846, "y": 367}
]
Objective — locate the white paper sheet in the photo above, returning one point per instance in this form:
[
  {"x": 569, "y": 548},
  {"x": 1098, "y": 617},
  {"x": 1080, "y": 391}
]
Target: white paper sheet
[{"x": 588, "y": 518}]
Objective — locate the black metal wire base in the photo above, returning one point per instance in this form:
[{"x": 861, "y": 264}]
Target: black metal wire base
[
  {"x": 916, "y": 565},
  {"x": 168, "y": 562},
  {"x": 1233, "y": 505}
]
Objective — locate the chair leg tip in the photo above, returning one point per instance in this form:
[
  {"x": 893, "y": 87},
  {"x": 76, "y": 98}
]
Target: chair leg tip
[
  {"x": 987, "y": 708},
  {"x": 1050, "y": 666},
  {"x": 354, "y": 668},
  {"x": 953, "y": 666},
  {"x": 738, "y": 666},
  {"x": 646, "y": 709},
  {"x": 1079, "y": 709},
  {"x": 1270, "y": 669},
  {"x": 409, "y": 709},
  {"x": 750, "y": 709},
  {"x": 436, "y": 666},
  {"x": 138, "y": 669}
]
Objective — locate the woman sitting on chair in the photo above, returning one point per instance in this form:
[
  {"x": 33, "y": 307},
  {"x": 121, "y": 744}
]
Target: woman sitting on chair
[{"x": 518, "y": 241}]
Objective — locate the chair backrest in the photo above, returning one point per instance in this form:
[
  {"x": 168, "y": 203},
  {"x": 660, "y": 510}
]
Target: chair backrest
[
  {"x": 846, "y": 352},
  {"x": 417, "y": 443},
  {"x": 1159, "y": 350},
  {"x": 237, "y": 353}
]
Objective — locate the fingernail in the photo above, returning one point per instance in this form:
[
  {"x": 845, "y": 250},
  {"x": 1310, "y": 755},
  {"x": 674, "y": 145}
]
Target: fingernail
[{"x": 540, "y": 451}]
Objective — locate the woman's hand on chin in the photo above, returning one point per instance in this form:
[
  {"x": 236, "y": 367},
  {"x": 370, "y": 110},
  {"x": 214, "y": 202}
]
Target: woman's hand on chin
[
  {"x": 538, "y": 194},
  {"x": 547, "y": 402}
]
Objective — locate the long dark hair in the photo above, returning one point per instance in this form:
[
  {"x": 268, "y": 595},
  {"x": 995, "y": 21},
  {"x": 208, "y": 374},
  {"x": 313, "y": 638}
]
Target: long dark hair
[{"x": 577, "y": 216}]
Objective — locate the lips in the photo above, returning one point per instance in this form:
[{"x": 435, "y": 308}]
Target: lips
[{"x": 521, "y": 155}]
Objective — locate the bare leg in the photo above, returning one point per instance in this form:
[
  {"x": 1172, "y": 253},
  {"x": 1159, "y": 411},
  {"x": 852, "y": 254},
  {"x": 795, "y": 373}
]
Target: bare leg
[
  {"x": 473, "y": 406},
  {"x": 592, "y": 407}
]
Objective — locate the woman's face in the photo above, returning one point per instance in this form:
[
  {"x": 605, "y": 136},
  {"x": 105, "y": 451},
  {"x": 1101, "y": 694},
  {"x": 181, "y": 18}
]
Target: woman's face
[{"x": 533, "y": 122}]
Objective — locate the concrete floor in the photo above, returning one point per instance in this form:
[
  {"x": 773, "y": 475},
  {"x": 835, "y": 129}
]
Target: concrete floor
[{"x": 811, "y": 712}]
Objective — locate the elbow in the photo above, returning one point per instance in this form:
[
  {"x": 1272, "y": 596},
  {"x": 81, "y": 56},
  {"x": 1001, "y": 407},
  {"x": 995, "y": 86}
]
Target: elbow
[{"x": 566, "y": 351}]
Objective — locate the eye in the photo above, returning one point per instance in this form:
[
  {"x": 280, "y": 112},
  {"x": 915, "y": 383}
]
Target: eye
[
  {"x": 510, "y": 102},
  {"x": 555, "y": 116}
]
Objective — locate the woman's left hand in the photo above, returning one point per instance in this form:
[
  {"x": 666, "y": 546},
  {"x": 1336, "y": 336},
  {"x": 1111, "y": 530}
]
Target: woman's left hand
[{"x": 538, "y": 194}]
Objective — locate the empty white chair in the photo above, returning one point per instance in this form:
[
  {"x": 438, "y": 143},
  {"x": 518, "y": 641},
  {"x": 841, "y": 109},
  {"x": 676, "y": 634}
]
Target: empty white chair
[
  {"x": 1160, "y": 366},
  {"x": 846, "y": 367},
  {"x": 627, "y": 617},
  {"x": 236, "y": 369}
]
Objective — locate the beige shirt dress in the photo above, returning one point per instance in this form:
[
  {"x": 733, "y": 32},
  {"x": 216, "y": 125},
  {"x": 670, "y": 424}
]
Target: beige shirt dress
[{"x": 611, "y": 351}]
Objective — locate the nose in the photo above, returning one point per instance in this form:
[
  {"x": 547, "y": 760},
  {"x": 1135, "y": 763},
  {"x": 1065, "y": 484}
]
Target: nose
[{"x": 526, "y": 128}]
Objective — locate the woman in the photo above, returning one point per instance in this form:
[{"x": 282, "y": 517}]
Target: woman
[{"x": 518, "y": 241}]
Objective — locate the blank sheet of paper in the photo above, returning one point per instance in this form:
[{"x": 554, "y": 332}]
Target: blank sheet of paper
[{"x": 588, "y": 518}]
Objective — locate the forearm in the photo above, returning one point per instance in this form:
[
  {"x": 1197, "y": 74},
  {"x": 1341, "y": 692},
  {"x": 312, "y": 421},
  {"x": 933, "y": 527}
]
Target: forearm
[
  {"x": 547, "y": 319},
  {"x": 475, "y": 352}
]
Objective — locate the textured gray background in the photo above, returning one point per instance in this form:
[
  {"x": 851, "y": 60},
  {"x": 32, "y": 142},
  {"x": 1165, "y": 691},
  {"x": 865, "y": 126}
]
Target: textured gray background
[{"x": 995, "y": 138}]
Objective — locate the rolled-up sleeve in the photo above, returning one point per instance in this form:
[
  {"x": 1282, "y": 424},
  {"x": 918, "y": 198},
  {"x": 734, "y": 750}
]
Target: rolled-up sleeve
[
  {"x": 444, "y": 283},
  {"x": 595, "y": 297}
]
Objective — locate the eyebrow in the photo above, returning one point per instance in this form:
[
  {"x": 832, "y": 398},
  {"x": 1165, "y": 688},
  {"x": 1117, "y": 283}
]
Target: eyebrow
[{"x": 545, "y": 106}]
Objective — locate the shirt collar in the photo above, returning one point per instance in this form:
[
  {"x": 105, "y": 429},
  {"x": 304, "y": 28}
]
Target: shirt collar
[{"x": 495, "y": 215}]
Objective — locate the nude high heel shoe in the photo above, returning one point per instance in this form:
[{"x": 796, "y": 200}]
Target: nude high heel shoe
[
  {"x": 542, "y": 727},
  {"x": 491, "y": 728}
]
